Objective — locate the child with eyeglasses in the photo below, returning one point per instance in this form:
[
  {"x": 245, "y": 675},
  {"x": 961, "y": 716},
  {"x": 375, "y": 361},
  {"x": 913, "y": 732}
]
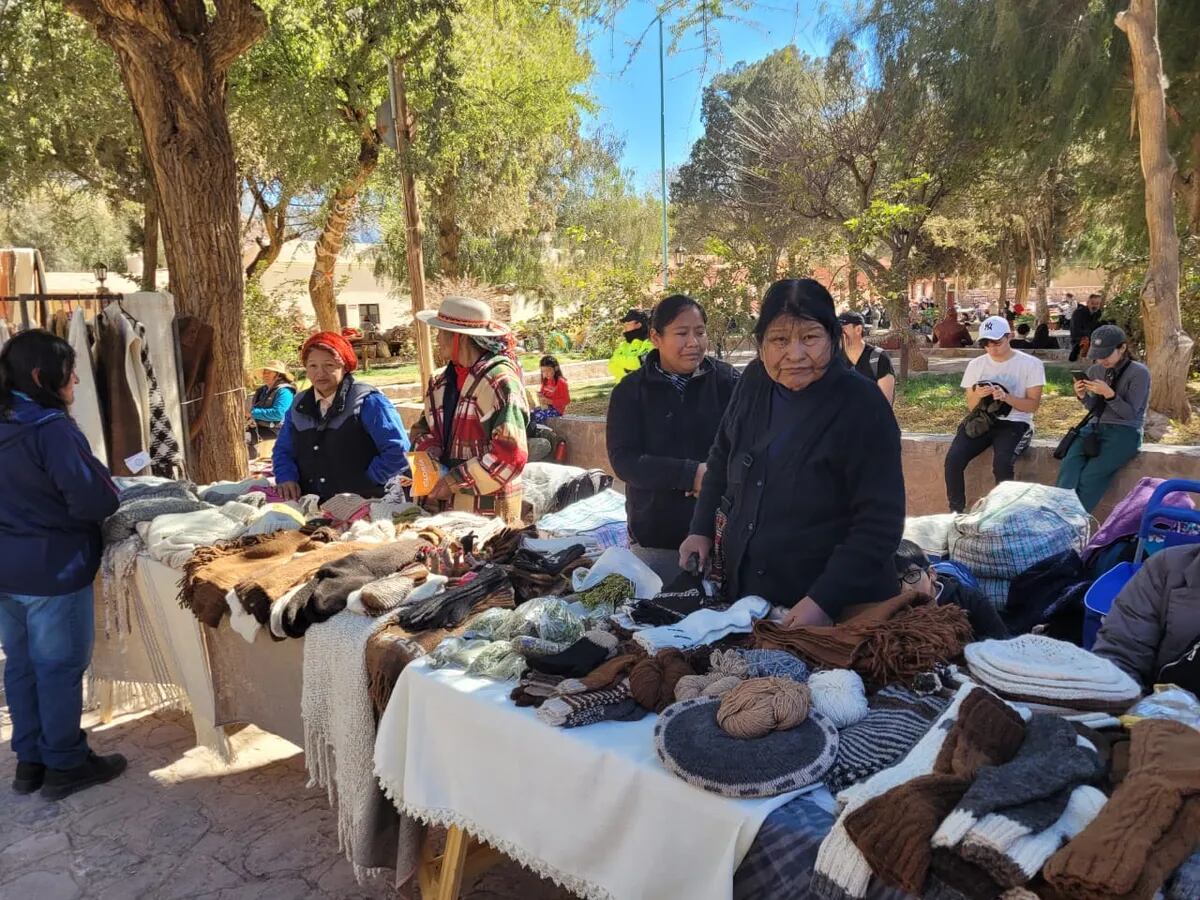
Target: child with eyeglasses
[{"x": 914, "y": 569}]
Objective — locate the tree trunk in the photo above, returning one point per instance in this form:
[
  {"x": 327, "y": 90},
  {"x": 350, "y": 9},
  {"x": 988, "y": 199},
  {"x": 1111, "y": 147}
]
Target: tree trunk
[
  {"x": 274, "y": 217},
  {"x": 449, "y": 234},
  {"x": 1004, "y": 266},
  {"x": 1168, "y": 348},
  {"x": 1194, "y": 196},
  {"x": 940, "y": 294},
  {"x": 173, "y": 60},
  {"x": 1024, "y": 278},
  {"x": 852, "y": 284},
  {"x": 150, "y": 240},
  {"x": 333, "y": 234}
]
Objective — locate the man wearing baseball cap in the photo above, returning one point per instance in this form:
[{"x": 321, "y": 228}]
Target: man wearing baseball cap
[
  {"x": 1116, "y": 393},
  {"x": 1014, "y": 381},
  {"x": 866, "y": 359}
]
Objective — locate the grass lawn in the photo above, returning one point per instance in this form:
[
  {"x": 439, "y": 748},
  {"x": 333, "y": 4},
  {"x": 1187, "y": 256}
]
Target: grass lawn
[{"x": 935, "y": 404}]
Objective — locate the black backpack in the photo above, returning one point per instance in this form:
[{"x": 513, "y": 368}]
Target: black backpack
[{"x": 1185, "y": 671}]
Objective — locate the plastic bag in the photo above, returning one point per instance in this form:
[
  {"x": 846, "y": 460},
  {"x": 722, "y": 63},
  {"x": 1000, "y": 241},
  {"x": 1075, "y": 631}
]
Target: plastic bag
[
  {"x": 1167, "y": 702},
  {"x": 619, "y": 561}
]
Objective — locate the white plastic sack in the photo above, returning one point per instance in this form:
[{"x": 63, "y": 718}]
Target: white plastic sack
[
  {"x": 619, "y": 561},
  {"x": 930, "y": 533}
]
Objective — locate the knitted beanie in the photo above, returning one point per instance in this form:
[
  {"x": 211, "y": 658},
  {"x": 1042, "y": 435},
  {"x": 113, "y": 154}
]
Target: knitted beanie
[
  {"x": 691, "y": 745},
  {"x": 1030, "y": 791},
  {"x": 839, "y": 695},
  {"x": 898, "y": 717},
  {"x": 1040, "y": 668},
  {"x": 841, "y": 870}
]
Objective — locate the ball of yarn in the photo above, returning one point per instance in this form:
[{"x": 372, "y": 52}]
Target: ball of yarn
[
  {"x": 758, "y": 706},
  {"x": 727, "y": 669},
  {"x": 774, "y": 664},
  {"x": 839, "y": 695},
  {"x": 721, "y": 686},
  {"x": 652, "y": 681}
]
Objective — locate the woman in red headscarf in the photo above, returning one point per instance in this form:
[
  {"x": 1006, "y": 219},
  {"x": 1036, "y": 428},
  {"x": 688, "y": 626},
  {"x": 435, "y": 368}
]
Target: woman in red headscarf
[{"x": 341, "y": 435}]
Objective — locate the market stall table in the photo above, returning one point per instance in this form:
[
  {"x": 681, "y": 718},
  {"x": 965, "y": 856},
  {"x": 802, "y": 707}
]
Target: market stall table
[{"x": 590, "y": 808}]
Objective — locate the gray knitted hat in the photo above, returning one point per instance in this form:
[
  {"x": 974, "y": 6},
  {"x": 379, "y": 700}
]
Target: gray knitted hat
[{"x": 693, "y": 746}]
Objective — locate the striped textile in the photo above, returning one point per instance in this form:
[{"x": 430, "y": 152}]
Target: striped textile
[
  {"x": 780, "y": 862},
  {"x": 897, "y": 719}
]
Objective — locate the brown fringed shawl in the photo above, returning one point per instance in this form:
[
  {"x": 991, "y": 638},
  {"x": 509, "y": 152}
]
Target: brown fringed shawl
[{"x": 257, "y": 592}]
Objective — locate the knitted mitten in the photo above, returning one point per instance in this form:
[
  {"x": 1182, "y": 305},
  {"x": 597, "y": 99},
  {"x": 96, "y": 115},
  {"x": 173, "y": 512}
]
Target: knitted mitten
[
  {"x": 1147, "y": 828},
  {"x": 580, "y": 658},
  {"x": 1018, "y": 861},
  {"x": 623, "y": 711},
  {"x": 988, "y": 732},
  {"x": 1049, "y": 762},
  {"x": 556, "y": 709}
]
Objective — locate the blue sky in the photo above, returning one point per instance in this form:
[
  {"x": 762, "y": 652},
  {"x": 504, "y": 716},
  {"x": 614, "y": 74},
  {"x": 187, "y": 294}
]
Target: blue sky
[{"x": 626, "y": 91}]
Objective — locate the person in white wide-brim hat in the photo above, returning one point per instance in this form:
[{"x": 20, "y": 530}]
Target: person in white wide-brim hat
[{"x": 476, "y": 413}]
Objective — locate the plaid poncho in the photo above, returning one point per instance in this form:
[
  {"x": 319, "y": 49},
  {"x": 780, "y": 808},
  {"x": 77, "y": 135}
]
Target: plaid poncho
[{"x": 487, "y": 435}]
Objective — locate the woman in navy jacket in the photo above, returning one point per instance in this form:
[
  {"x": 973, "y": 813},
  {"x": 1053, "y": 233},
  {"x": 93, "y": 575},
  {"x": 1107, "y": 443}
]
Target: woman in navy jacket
[{"x": 55, "y": 495}]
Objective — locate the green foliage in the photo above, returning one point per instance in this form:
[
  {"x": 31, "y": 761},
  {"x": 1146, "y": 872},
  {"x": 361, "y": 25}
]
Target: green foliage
[
  {"x": 274, "y": 327},
  {"x": 73, "y": 229}
]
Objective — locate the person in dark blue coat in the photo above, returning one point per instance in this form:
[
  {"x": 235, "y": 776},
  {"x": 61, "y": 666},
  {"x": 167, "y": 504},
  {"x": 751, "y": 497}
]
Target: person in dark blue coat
[
  {"x": 341, "y": 435},
  {"x": 55, "y": 495}
]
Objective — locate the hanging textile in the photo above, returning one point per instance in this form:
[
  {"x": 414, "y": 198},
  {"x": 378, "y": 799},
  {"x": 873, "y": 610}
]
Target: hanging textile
[
  {"x": 121, "y": 385},
  {"x": 86, "y": 408},
  {"x": 156, "y": 311},
  {"x": 166, "y": 457}
]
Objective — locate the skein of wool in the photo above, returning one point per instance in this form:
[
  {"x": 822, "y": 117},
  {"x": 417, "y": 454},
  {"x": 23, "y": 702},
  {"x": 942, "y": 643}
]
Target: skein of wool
[
  {"x": 727, "y": 669},
  {"x": 839, "y": 695},
  {"x": 911, "y": 642},
  {"x": 652, "y": 681},
  {"x": 759, "y": 706}
]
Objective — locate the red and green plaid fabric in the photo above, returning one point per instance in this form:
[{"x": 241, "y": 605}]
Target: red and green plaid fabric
[{"x": 488, "y": 431}]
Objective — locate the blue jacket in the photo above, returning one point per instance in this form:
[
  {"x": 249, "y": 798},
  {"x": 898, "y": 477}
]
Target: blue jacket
[
  {"x": 55, "y": 494},
  {"x": 270, "y": 405},
  {"x": 357, "y": 447}
]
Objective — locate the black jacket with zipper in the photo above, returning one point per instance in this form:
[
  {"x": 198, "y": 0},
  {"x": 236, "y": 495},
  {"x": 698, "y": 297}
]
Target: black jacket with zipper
[
  {"x": 822, "y": 519},
  {"x": 656, "y": 441}
]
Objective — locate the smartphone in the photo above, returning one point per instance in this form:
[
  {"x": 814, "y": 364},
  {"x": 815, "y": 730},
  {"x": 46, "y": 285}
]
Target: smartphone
[{"x": 1079, "y": 375}]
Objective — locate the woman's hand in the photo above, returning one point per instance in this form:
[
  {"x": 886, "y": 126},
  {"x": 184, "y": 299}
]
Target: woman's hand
[
  {"x": 806, "y": 612},
  {"x": 1100, "y": 389},
  {"x": 698, "y": 544},
  {"x": 442, "y": 490},
  {"x": 289, "y": 490}
]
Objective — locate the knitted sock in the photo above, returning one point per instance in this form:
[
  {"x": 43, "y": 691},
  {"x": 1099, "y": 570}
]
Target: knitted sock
[
  {"x": 1147, "y": 828},
  {"x": 580, "y": 658},
  {"x": 1017, "y": 862},
  {"x": 897, "y": 719},
  {"x": 556, "y": 709},
  {"x": 624, "y": 711},
  {"x": 893, "y": 831},
  {"x": 705, "y": 626},
  {"x": 535, "y": 688},
  {"x": 604, "y": 675},
  {"x": 1049, "y": 763}
]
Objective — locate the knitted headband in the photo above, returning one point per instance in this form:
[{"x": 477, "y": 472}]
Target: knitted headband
[{"x": 331, "y": 343}]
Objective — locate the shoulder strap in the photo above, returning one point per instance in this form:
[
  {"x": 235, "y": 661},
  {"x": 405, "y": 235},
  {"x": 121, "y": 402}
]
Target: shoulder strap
[{"x": 877, "y": 362}]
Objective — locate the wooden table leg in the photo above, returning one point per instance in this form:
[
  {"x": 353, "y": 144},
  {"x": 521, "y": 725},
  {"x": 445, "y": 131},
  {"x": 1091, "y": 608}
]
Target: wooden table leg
[
  {"x": 454, "y": 861},
  {"x": 441, "y": 877}
]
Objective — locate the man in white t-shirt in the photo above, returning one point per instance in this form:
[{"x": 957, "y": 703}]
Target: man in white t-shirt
[{"x": 1011, "y": 377}]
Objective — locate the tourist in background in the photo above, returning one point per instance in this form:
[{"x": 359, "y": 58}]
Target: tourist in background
[
  {"x": 802, "y": 501},
  {"x": 661, "y": 424},
  {"x": 1042, "y": 339},
  {"x": 56, "y": 494},
  {"x": 950, "y": 333},
  {"x": 270, "y": 403},
  {"x": 866, "y": 359},
  {"x": 476, "y": 415},
  {"x": 1010, "y": 383},
  {"x": 1084, "y": 321},
  {"x": 1116, "y": 393},
  {"x": 1022, "y": 341},
  {"x": 632, "y": 346},
  {"x": 341, "y": 435},
  {"x": 554, "y": 394}
]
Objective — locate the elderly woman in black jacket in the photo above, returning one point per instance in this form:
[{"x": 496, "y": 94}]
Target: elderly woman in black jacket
[{"x": 803, "y": 496}]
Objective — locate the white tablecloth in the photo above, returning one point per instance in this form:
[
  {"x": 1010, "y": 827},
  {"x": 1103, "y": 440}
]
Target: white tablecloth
[{"x": 591, "y": 808}]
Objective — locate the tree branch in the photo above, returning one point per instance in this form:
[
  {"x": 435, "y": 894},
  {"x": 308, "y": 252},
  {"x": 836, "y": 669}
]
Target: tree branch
[{"x": 238, "y": 24}]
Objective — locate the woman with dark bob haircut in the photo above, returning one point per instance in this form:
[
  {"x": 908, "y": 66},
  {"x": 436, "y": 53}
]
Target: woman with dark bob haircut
[
  {"x": 803, "y": 498},
  {"x": 661, "y": 422},
  {"x": 55, "y": 495}
]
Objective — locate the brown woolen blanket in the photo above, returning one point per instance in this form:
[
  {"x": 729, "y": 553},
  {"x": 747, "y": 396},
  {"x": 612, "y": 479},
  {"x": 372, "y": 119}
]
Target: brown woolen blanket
[
  {"x": 212, "y": 572},
  {"x": 258, "y": 592}
]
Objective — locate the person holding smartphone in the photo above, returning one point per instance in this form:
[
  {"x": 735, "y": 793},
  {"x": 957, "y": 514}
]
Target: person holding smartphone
[{"x": 1116, "y": 393}]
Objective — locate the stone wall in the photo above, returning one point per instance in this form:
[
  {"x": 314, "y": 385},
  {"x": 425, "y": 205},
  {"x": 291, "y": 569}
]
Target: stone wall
[{"x": 924, "y": 458}]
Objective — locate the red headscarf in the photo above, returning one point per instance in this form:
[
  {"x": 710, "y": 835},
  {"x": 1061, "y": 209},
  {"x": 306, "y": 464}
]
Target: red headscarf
[{"x": 333, "y": 343}]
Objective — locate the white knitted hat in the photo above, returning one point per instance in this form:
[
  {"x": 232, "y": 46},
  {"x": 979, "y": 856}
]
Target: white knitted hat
[{"x": 1034, "y": 665}]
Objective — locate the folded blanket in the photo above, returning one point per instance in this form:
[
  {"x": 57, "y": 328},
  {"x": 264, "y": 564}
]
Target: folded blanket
[
  {"x": 258, "y": 592},
  {"x": 326, "y": 595},
  {"x": 123, "y": 523},
  {"x": 172, "y": 538},
  {"x": 214, "y": 571}
]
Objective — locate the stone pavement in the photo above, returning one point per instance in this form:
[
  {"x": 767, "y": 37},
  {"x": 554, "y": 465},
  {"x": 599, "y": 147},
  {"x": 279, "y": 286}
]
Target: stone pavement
[{"x": 181, "y": 824}]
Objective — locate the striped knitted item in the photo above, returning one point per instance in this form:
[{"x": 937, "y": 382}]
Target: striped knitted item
[
  {"x": 558, "y": 709},
  {"x": 625, "y": 711},
  {"x": 898, "y": 718}
]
